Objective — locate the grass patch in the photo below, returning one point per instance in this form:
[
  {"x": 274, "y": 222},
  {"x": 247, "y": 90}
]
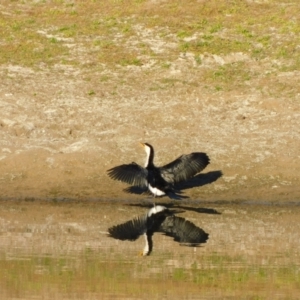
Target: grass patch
[
  {"x": 226, "y": 45},
  {"x": 111, "y": 33},
  {"x": 103, "y": 275},
  {"x": 23, "y": 45}
]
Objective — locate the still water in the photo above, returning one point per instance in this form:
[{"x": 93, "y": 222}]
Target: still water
[{"x": 60, "y": 250}]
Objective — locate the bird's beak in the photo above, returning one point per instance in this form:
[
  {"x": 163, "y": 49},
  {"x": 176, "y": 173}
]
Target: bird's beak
[{"x": 142, "y": 144}]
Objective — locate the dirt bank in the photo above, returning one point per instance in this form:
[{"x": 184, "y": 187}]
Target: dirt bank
[
  {"x": 57, "y": 142},
  {"x": 69, "y": 115}
]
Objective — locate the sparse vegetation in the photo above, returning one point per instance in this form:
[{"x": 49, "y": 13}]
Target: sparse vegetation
[
  {"x": 95, "y": 273},
  {"x": 107, "y": 32}
]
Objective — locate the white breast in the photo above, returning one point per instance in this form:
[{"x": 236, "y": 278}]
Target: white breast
[{"x": 156, "y": 191}]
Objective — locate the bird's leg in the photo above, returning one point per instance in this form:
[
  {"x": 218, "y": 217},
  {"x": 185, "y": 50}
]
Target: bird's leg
[
  {"x": 150, "y": 200},
  {"x": 153, "y": 200}
]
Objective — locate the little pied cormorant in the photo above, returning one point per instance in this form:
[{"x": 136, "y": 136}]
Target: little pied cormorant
[
  {"x": 160, "y": 180},
  {"x": 159, "y": 219}
]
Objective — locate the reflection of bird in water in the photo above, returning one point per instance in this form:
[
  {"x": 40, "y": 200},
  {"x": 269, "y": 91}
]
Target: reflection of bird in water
[
  {"x": 159, "y": 219},
  {"x": 160, "y": 180}
]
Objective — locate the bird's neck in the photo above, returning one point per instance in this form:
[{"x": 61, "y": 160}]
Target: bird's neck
[
  {"x": 149, "y": 158},
  {"x": 146, "y": 248}
]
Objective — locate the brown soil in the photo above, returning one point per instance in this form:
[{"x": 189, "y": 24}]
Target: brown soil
[{"x": 58, "y": 141}]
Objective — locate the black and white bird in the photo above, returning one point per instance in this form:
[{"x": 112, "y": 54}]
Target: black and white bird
[
  {"x": 159, "y": 219},
  {"x": 160, "y": 181}
]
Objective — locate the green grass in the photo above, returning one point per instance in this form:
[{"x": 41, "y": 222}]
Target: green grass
[
  {"x": 95, "y": 36},
  {"x": 100, "y": 274},
  {"x": 102, "y": 29}
]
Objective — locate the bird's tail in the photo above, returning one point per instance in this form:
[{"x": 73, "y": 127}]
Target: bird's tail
[{"x": 176, "y": 195}]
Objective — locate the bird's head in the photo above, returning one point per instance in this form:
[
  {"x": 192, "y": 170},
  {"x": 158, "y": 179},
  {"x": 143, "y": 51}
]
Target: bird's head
[
  {"x": 144, "y": 253},
  {"x": 147, "y": 147}
]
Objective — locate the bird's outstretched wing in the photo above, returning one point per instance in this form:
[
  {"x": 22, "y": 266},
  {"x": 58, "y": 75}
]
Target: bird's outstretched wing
[
  {"x": 132, "y": 174},
  {"x": 183, "y": 231},
  {"x": 129, "y": 230},
  {"x": 184, "y": 167}
]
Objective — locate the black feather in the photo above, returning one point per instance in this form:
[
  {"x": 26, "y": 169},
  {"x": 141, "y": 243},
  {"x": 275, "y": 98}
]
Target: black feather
[
  {"x": 184, "y": 167},
  {"x": 183, "y": 231},
  {"x": 130, "y": 230},
  {"x": 132, "y": 174},
  {"x": 180, "y": 229},
  {"x": 160, "y": 180}
]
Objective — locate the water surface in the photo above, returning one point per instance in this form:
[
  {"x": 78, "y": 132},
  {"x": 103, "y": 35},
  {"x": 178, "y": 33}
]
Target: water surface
[{"x": 60, "y": 250}]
